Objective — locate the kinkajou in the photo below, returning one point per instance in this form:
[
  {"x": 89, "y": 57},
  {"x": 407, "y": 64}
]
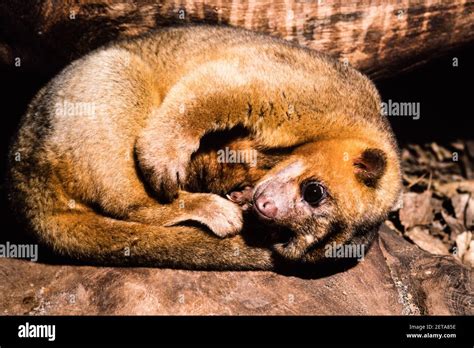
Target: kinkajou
[{"x": 101, "y": 169}]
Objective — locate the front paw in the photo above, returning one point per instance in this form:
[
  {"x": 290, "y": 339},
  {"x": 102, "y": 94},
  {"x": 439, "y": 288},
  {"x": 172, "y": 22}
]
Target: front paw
[
  {"x": 221, "y": 216},
  {"x": 243, "y": 198},
  {"x": 163, "y": 162},
  {"x": 168, "y": 178}
]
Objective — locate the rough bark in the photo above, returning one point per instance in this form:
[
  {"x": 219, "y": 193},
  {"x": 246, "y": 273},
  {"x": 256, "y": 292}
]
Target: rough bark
[
  {"x": 378, "y": 37},
  {"x": 395, "y": 277}
]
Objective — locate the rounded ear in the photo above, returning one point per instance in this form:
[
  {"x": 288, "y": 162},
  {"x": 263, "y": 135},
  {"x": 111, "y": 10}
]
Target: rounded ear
[{"x": 370, "y": 166}]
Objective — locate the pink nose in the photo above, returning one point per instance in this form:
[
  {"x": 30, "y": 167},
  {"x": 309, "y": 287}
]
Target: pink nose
[{"x": 266, "y": 207}]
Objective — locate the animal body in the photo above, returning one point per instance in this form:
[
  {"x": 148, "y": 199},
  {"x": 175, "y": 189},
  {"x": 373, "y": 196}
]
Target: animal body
[{"x": 109, "y": 166}]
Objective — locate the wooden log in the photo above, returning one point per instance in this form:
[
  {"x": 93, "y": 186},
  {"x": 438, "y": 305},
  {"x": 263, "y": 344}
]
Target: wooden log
[
  {"x": 378, "y": 37},
  {"x": 395, "y": 277}
]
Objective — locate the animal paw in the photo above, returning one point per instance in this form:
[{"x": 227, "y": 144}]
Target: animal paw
[
  {"x": 168, "y": 178},
  {"x": 221, "y": 216},
  {"x": 243, "y": 198},
  {"x": 165, "y": 167}
]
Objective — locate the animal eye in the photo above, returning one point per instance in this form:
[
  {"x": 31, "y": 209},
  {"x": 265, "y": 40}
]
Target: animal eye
[{"x": 313, "y": 192}]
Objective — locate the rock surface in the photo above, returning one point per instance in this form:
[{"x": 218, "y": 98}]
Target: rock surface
[{"x": 395, "y": 277}]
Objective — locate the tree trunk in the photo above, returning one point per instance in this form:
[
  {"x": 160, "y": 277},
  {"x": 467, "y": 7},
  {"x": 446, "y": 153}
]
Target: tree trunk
[{"x": 378, "y": 37}]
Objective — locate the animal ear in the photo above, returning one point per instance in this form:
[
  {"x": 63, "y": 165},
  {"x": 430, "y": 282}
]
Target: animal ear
[{"x": 370, "y": 166}]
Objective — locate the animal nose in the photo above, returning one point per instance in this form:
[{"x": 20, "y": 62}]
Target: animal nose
[{"x": 266, "y": 206}]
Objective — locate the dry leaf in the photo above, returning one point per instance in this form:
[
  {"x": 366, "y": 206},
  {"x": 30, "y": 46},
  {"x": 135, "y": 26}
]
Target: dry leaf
[
  {"x": 452, "y": 188},
  {"x": 440, "y": 152},
  {"x": 421, "y": 237},
  {"x": 465, "y": 248},
  {"x": 458, "y": 145},
  {"x": 469, "y": 213},
  {"x": 456, "y": 226},
  {"x": 416, "y": 209},
  {"x": 436, "y": 205},
  {"x": 468, "y": 258},
  {"x": 463, "y": 205},
  {"x": 470, "y": 148}
]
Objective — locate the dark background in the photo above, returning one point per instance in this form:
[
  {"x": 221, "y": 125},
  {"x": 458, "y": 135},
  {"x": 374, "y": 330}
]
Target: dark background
[{"x": 445, "y": 94}]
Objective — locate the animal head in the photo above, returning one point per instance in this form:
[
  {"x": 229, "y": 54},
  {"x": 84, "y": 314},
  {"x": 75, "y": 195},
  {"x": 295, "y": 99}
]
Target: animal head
[{"x": 326, "y": 191}]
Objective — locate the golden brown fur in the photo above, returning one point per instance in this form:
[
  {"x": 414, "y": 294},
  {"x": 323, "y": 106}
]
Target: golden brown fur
[{"x": 87, "y": 184}]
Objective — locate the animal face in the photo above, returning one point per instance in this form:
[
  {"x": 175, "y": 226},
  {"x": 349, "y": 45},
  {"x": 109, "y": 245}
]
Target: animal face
[{"x": 326, "y": 190}]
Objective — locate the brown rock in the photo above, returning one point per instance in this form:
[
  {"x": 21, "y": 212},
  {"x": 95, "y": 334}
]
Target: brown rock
[{"x": 395, "y": 277}]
